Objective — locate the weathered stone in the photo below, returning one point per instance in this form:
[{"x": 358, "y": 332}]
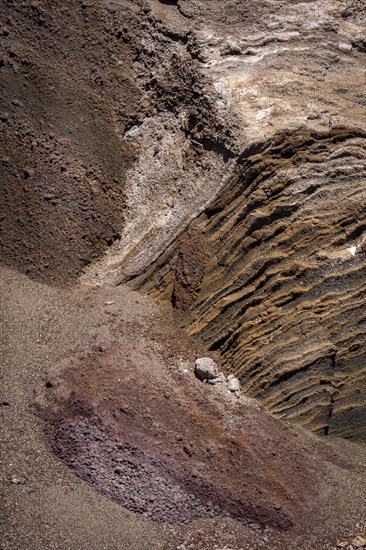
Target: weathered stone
[
  {"x": 17, "y": 480},
  {"x": 233, "y": 384},
  {"x": 358, "y": 542},
  {"x": 206, "y": 369}
]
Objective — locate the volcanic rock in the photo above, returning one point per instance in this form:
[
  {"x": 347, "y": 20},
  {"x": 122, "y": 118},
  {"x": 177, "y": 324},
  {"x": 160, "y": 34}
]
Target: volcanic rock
[
  {"x": 233, "y": 384},
  {"x": 205, "y": 369}
]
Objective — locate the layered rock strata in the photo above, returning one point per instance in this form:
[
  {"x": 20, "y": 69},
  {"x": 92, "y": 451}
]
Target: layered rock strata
[
  {"x": 272, "y": 271},
  {"x": 212, "y": 155},
  {"x": 273, "y": 276}
]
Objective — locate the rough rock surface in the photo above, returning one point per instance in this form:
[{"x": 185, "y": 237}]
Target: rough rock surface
[
  {"x": 272, "y": 272},
  {"x": 283, "y": 278},
  {"x": 205, "y": 368},
  {"x": 211, "y": 154},
  {"x": 233, "y": 384},
  {"x": 218, "y": 155}
]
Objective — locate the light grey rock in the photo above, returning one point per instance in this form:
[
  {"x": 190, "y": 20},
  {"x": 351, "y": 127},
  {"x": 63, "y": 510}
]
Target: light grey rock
[
  {"x": 345, "y": 47},
  {"x": 206, "y": 369},
  {"x": 233, "y": 384},
  {"x": 17, "y": 480}
]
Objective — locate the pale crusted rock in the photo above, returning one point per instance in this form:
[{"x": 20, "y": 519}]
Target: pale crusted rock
[
  {"x": 206, "y": 369},
  {"x": 233, "y": 384},
  {"x": 345, "y": 47}
]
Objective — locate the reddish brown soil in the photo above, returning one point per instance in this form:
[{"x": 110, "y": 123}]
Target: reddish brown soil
[
  {"x": 164, "y": 451},
  {"x": 162, "y": 460}
]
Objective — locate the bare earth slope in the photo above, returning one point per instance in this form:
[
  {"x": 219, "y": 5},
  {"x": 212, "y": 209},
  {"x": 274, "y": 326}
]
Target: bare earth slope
[
  {"x": 115, "y": 385},
  {"x": 182, "y": 178},
  {"x": 68, "y": 94}
]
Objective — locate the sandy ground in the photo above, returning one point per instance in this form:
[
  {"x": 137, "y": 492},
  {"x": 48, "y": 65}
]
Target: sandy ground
[{"x": 53, "y": 508}]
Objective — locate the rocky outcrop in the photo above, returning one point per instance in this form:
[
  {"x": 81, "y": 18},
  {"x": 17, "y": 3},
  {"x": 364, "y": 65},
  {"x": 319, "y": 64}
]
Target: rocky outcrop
[
  {"x": 225, "y": 173},
  {"x": 271, "y": 272},
  {"x": 283, "y": 285}
]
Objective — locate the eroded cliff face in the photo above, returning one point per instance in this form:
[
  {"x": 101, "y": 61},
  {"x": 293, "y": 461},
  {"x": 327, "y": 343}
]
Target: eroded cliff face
[
  {"x": 273, "y": 276},
  {"x": 261, "y": 238},
  {"x": 212, "y": 155}
]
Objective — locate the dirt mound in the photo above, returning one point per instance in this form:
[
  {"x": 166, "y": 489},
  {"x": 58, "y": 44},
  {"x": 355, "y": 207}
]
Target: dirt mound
[
  {"x": 160, "y": 448},
  {"x": 122, "y": 408}
]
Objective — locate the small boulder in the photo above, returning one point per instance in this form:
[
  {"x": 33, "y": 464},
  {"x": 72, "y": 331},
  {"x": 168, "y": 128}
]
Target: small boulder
[
  {"x": 233, "y": 384},
  {"x": 205, "y": 369}
]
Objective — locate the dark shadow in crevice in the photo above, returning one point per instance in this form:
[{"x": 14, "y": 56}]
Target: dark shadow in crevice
[{"x": 169, "y": 2}]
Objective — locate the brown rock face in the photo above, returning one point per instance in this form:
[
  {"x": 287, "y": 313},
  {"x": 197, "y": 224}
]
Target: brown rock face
[{"x": 282, "y": 294}]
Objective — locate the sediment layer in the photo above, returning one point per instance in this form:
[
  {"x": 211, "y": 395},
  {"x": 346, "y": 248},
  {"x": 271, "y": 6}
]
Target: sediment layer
[{"x": 273, "y": 276}]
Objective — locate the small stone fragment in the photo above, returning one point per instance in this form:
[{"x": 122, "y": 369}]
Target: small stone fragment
[
  {"x": 205, "y": 369},
  {"x": 342, "y": 544},
  {"x": 358, "y": 542},
  {"x": 345, "y": 47},
  {"x": 17, "y": 480},
  {"x": 220, "y": 379}
]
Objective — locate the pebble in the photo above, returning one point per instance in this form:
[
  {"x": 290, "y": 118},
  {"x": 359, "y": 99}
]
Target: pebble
[
  {"x": 345, "y": 47},
  {"x": 17, "y": 480},
  {"x": 358, "y": 542}
]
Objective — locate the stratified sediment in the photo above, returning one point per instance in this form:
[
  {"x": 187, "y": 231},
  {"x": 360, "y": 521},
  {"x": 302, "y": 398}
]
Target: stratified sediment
[{"x": 273, "y": 276}]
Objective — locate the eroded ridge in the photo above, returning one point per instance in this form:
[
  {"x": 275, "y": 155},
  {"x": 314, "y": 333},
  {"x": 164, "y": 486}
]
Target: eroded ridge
[{"x": 273, "y": 276}]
